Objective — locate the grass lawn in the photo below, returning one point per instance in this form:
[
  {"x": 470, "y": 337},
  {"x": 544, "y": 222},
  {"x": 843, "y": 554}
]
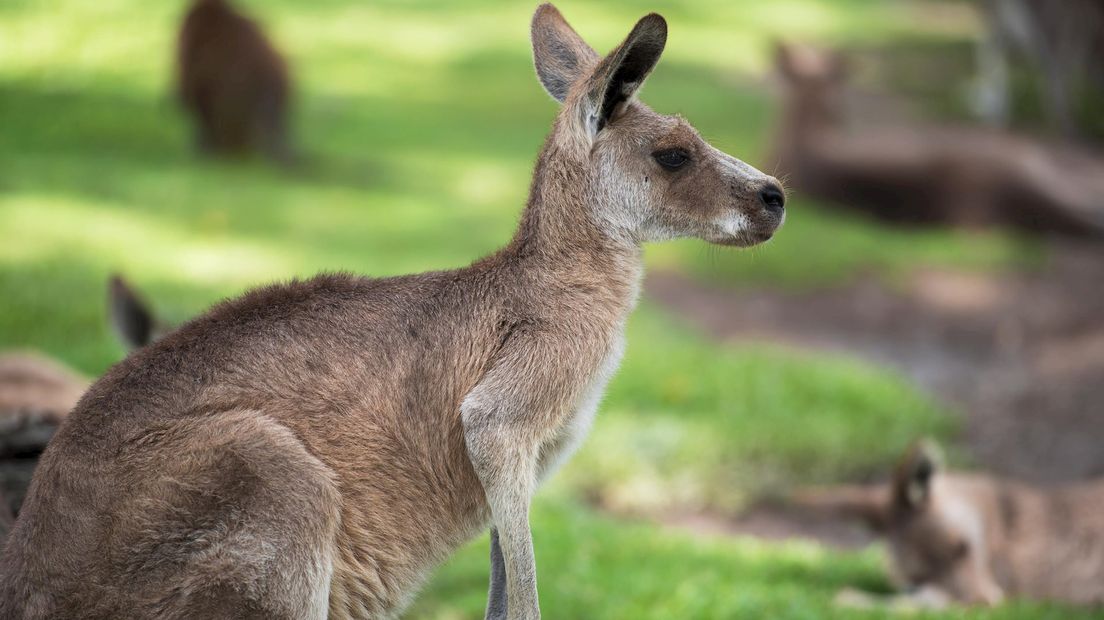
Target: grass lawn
[
  {"x": 595, "y": 567},
  {"x": 419, "y": 122}
]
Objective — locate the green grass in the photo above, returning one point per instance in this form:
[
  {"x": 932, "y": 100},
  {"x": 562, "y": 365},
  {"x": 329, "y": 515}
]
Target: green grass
[
  {"x": 692, "y": 425},
  {"x": 419, "y": 123},
  {"x": 595, "y": 567}
]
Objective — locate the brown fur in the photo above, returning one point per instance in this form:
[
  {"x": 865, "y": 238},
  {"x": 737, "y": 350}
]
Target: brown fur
[
  {"x": 233, "y": 82},
  {"x": 928, "y": 175},
  {"x": 317, "y": 447},
  {"x": 36, "y": 393},
  {"x": 977, "y": 539}
]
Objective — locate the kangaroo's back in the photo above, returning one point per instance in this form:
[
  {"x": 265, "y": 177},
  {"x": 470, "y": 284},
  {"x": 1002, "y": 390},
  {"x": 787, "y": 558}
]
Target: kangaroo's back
[{"x": 233, "y": 81}]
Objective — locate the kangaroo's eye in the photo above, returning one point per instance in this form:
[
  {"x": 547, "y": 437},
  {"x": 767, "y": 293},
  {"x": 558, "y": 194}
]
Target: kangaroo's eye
[
  {"x": 671, "y": 159},
  {"x": 960, "y": 550}
]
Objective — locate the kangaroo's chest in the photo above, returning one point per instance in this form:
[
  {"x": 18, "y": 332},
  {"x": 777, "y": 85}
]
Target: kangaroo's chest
[{"x": 577, "y": 423}]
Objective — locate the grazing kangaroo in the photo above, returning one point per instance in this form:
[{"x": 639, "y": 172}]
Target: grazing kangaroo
[
  {"x": 927, "y": 175},
  {"x": 977, "y": 539},
  {"x": 36, "y": 393},
  {"x": 233, "y": 82},
  {"x": 314, "y": 449}
]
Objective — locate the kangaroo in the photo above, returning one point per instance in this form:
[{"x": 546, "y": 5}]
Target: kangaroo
[
  {"x": 36, "y": 393},
  {"x": 927, "y": 175},
  {"x": 977, "y": 539},
  {"x": 313, "y": 449},
  {"x": 233, "y": 82}
]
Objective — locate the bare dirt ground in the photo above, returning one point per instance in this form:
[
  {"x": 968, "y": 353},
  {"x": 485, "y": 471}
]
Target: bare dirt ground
[{"x": 1019, "y": 355}]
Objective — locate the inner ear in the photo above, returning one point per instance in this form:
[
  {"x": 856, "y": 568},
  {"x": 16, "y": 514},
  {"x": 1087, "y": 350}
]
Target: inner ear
[
  {"x": 560, "y": 55},
  {"x": 621, "y": 74}
]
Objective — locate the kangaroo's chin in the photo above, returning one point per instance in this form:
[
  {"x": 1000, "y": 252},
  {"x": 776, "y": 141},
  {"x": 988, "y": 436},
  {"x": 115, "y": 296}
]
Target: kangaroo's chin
[{"x": 742, "y": 239}]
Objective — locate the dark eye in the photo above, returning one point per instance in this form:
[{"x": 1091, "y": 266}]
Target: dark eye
[
  {"x": 960, "y": 550},
  {"x": 671, "y": 159}
]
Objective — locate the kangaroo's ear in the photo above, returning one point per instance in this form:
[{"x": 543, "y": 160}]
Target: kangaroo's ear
[
  {"x": 786, "y": 60},
  {"x": 866, "y": 503},
  {"x": 560, "y": 55},
  {"x": 912, "y": 481},
  {"x": 129, "y": 315},
  {"x": 620, "y": 75}
]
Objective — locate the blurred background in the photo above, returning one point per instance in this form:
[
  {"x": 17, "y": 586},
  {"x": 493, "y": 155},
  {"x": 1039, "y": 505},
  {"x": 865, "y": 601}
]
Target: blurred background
[{"x": 907, "y": 295}]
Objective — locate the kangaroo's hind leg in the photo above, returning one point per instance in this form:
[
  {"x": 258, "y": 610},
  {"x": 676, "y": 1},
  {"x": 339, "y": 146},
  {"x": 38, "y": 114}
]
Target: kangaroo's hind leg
[{"x": 232, "y": 518}]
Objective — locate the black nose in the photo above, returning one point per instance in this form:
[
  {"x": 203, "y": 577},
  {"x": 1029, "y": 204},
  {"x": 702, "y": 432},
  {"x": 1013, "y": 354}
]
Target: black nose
[{"x": 772, "y": 198}]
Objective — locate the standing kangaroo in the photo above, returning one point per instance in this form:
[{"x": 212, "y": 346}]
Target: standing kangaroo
[
  {"x": 318, "y": 447},
  {"x": 976, "y": 539},
  {"x": 233, "y": 82}
]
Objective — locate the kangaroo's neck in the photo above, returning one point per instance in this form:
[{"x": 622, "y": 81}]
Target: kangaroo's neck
[
  {"x": 804, "y": 118},
  {"x": 560, "y": 236}
]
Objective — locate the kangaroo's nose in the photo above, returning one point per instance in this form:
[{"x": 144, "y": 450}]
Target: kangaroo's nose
[{"x": 772, "y": 198}]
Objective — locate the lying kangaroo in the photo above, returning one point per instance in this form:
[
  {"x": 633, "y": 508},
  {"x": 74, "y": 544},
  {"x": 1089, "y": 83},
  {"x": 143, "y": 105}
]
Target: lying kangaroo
[
  {"x": 36, "y": 393},
  {"x": 976, "y": 539},
  {"x": 315, "y": 448},
  {"x": 931, "y": 174},
  {"x": 233, "y": 82}
]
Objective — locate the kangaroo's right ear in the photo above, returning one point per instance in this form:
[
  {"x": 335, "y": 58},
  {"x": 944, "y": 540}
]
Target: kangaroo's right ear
[
  {"x": 912, "y": 481},
  {"x": 559, "y": 53},
  {"x": 621, "y": 73},
  {"x": 129, "y": 315}
]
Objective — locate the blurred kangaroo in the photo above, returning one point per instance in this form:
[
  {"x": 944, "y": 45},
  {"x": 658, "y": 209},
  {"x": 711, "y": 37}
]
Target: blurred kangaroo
[
  {"x": 36, "y": 393},
  {"x": 314, "y": 449},
  {"x": 233, "y": 83},
  {"x": 930, "y": 174},
  {"x": 978, "y": 539}
]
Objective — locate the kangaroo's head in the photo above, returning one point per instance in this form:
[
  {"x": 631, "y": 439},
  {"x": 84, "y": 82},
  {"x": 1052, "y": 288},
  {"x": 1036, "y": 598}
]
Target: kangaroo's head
[
  {"x": 936, "y": 532},
  {"x": 933, "y": 523},
  {"x": 645, "y": 176},
  {"x": 814, "y": 80}
]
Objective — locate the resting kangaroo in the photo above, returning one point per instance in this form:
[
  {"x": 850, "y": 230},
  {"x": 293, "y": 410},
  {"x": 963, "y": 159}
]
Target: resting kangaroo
[
  {"x": 928, "y": 174},
  {"x": 36, "y": 393},
  {"x": 976, "y": 539},
  {"x": 316, "y": 448}
]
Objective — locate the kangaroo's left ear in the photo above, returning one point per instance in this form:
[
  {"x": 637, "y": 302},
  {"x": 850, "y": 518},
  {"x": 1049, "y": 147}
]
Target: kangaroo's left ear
[
  {"x": 129, "y": 314},
  {"x": 559, "y": 53},
  {"x": 618, "y": 76}
]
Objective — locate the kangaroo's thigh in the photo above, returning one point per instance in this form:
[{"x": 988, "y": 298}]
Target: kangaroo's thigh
[{"x": 232, "y": 518}]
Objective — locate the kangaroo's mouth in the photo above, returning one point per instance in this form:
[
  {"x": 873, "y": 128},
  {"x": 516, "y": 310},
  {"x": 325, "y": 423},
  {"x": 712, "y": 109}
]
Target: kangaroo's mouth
[{"x": 742, "y": 232}]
